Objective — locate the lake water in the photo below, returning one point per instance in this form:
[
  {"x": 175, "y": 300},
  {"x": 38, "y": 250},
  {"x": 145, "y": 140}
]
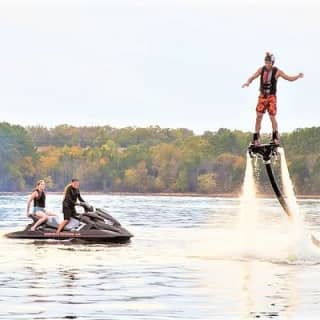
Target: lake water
[{"x": 188, "y": 260}]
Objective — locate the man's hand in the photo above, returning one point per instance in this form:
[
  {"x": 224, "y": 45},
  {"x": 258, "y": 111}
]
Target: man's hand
[
  {"x": 254, "y": 76},
  {"x": 300, "y": 75}
]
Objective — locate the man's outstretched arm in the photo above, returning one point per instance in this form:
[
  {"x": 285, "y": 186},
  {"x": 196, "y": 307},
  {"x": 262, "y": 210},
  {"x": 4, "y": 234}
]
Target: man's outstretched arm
[
  {"x": 289, "y": 78},
  {"x": 254, "y": 76}
]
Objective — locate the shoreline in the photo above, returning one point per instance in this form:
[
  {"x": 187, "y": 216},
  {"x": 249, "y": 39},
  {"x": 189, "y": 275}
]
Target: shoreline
[{"x": 164, "y": 194}]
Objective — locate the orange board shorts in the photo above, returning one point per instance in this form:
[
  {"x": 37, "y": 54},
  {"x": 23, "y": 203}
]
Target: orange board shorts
[{"x": 267, "y": 103}]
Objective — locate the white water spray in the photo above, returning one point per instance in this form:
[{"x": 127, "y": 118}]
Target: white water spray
[
  {"x": 289, "y": 189},
  {"x": 300, "y": 239},
  {"x": 293, "y": 246},
  {"x": 248, "y": 207}
]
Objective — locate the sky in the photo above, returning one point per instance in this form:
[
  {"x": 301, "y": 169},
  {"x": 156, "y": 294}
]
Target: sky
[{"x": 156, "y": 62}]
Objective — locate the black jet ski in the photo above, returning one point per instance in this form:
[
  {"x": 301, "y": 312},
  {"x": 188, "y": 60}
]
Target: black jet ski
[{"x": 95, "y": 225}]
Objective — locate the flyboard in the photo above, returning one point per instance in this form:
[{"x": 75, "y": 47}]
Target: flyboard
[{"x": 266, "y": 152}]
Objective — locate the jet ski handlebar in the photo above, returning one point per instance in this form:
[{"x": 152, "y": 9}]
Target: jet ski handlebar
[{"x": 86, "y": 206}]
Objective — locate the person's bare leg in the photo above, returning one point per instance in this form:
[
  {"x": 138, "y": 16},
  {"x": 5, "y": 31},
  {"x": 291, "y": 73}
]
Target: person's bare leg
[
  {"x": 274, "y": 123},
  {"x": 275, "y": 134},
  {"x": 256, "y": 135},
  {"x": 258, "y": 122},
  {"x": 42, "y": 218},
  {"x": 62, "y": 225},
  {"x": 49, "y": 213}
]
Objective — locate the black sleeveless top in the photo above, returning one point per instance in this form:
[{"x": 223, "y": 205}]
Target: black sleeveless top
[
  {"x": 40, "y": 201},
  {"x": 268, "y": 81}
]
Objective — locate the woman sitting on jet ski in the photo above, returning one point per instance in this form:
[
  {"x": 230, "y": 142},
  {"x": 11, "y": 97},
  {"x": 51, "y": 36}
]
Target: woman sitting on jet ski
[{"x": 38, "y": 197}]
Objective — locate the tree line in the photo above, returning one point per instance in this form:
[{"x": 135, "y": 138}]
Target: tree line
[{"x": 143, "y": 160}]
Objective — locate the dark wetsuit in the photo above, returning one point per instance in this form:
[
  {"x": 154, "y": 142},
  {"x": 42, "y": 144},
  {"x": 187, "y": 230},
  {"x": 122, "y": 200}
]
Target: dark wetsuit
[{"x": 71, "y": 196}]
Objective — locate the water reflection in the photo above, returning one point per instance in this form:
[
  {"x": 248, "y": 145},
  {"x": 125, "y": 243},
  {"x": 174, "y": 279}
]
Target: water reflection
[{"x": 267, "y": 292}]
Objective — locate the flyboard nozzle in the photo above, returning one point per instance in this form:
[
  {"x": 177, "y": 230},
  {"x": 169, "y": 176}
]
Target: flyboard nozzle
[{"x": 263, "y": 151}]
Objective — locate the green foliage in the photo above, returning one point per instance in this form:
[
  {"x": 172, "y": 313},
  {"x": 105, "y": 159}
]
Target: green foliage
[
  {"x": 206, "y": 183},
  {"x": 17, "y": 157},
  {"x": 144, "y": 159}
]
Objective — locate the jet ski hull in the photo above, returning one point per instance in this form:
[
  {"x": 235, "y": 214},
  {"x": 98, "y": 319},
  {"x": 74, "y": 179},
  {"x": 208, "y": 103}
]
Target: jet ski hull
[{"x": 90, "y": 235}]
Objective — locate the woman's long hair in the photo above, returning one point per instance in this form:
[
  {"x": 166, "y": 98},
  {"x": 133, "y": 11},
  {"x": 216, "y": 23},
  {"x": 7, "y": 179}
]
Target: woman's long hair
[
  {"x": 36, "y": 188},
  {"x": 65, "y": 190},
  {"x": 39, "y": 182}
]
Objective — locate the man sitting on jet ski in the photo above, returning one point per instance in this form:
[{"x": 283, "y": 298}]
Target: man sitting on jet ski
[{"x": 71, "y": 195}]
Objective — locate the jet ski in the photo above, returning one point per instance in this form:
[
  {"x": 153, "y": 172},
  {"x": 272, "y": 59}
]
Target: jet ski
[{"x": 94, "y": 225}]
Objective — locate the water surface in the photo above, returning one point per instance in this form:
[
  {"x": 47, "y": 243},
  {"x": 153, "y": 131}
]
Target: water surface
[{"x": 187, "y": 260}]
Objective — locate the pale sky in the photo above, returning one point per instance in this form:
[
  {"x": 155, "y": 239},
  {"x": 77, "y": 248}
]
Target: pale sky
[{"x": 155, "y": 62}]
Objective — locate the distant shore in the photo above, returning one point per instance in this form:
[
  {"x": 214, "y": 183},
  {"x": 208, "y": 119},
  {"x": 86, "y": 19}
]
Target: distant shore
[{"x": 167, "y": 194}]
